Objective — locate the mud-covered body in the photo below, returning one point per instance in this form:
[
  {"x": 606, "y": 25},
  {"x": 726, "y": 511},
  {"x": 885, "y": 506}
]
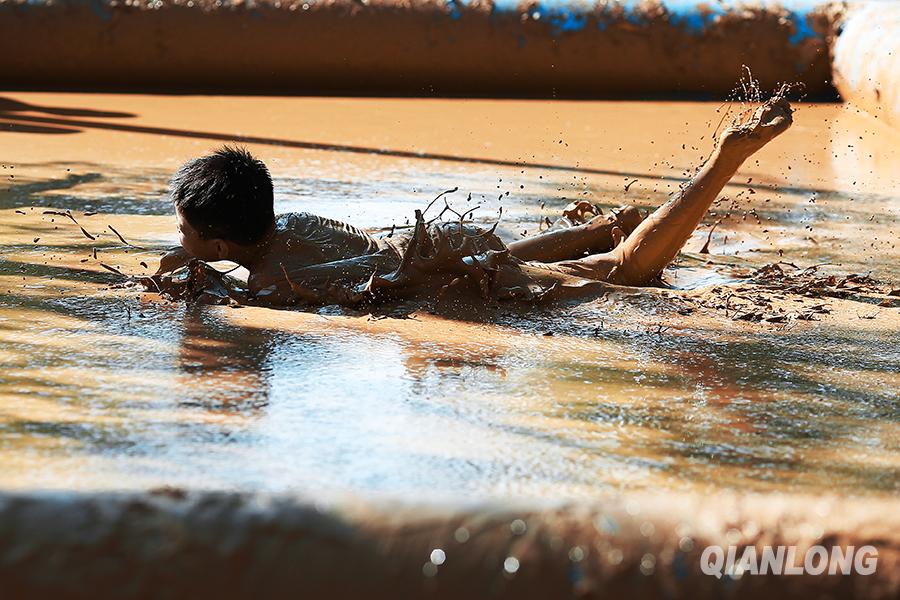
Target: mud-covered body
[{"x": 429, "y": 260}]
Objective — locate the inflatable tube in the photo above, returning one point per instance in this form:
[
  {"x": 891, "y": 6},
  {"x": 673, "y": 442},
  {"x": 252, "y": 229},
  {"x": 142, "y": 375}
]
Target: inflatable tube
[
  {"x": 500, "y": 47},
  {"x": 867, "y": 60},
  {"x": 208, "y": 545}
]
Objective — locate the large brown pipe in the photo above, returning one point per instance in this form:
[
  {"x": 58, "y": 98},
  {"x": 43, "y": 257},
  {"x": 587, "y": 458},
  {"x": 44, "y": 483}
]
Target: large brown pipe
[
  {"x": 215, "y": 545},
  {"x": 420, "y": 47}
]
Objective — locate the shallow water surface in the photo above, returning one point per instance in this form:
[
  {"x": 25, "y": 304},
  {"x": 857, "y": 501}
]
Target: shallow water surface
[{"x": 105, "y": 388}]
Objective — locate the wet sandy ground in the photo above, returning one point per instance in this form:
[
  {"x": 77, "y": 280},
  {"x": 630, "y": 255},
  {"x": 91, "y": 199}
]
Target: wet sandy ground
[{"x": 104, "y": 388}]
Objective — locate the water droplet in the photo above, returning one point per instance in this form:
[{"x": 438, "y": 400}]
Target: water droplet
[
  {"x": 438, "y": 556},
  {"x": 511, "y": 564},
  {"x": 461, "y": 535},
  {"x": 733, "y": 536},
  {"x": 614, "y": 556},
  {"x": 518, "y": 527},
  {"x": 648, "y": 564}
]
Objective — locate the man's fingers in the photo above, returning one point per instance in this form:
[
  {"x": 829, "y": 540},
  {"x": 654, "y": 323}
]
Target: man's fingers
[{"x": 172, "y": 260}]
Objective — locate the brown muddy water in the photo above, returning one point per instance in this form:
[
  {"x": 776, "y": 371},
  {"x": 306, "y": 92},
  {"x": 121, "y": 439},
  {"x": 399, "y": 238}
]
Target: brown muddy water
[{"x": 109, "y": 389}]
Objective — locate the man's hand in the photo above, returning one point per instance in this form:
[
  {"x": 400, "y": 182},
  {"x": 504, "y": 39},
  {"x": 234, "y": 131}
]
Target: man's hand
[{"x": 174, "y": 259}]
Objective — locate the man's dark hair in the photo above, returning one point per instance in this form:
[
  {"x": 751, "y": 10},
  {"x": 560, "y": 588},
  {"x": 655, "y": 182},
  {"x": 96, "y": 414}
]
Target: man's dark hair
[{"x": 227, "y": 194}]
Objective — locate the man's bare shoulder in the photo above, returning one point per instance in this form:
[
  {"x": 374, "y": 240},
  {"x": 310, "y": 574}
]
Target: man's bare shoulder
[{"x": 288, "y": 246}]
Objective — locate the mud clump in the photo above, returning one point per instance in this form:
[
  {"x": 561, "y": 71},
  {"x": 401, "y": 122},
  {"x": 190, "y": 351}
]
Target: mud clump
[
  {"x": 808, "y": 282},
  {"x": 780, "y": 293},
  {"x": 198, "y": 282}
]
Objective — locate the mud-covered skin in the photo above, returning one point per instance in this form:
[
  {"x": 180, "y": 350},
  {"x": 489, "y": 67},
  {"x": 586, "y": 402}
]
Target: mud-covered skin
[
  {"x": 429, "y": 262},
  {"x": 432, "y": 260},
  {"x": 655, "y": 243},
  {"x": 312, "y": 260},
  {"x": 197, "y": 282},
  {"x": 304, "y": 239},
  {"x": 174, "y": 544},
  {"x": 637, "y": 259},
  {"x": 582, "y": 230}
]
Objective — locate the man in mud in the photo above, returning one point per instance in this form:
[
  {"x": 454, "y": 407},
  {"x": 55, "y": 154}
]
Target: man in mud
[{"x": 224, "y": 208}]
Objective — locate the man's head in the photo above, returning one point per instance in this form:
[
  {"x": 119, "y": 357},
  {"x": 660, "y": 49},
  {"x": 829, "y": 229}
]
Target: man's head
[{"x": 220, "y": 199}]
